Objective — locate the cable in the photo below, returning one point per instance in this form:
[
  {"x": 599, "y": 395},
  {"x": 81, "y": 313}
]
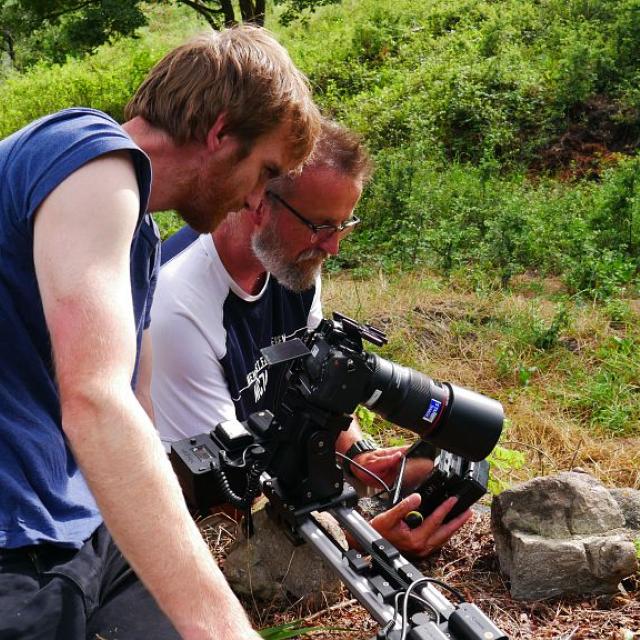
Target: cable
[
  {"x": 388, "y": 627},
  {"x": 405, "y": 606},
  {"x": 412, "y": 586},
  {"x": 395, "y": 498},
  {"x": 254, "y": 470},
  {"x": 376, "y": 477},
  {"x": 448, "y": 587}
]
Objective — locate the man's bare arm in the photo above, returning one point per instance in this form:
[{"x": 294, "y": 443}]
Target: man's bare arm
[
  {"x": 82, "y": 239},
  {"x": 383, "y": 462}
]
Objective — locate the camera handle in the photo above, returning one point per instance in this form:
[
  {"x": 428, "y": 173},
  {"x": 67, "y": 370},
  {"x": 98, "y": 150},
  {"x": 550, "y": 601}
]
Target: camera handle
[{"x": 378, "y": 576}]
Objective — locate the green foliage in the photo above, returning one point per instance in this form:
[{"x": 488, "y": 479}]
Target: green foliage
[
  {"x": 365, "y": 418},
  {"x": 525, "y": 374},
  {"x": 605, "y": 395},
  {"x": 105, "y": 80},
  {"x": 478, "y": 80},
  {"x": 595, "y": 381},
  {"x": 299, "y": 9},
  {"x": 56, "y": 29},
  {"x": 601, "y": 274},
  {"x": 417, "y": 212},
  {"x": 636, "y": 542},
  {"x": 33, "y": 31},
  {"x": 287, "y": 630},
  {"x": 619, "y": 311},
  {"x": 169, "y": 222},
  {"x": 546, "y": 336},
  {"x": 456, "y": 99},
  {"x": 503, "y": 461}
]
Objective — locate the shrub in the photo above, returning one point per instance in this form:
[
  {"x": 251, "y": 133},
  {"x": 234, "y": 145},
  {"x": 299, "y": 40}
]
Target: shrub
[{"x": 105, "y": 80}]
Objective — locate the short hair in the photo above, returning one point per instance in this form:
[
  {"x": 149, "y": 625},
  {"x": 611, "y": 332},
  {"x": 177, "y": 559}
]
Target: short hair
[
  {"x": 242, "y": 72},
  {"x": 337, "y": 148},
  {"x": 342, "y": 150}
]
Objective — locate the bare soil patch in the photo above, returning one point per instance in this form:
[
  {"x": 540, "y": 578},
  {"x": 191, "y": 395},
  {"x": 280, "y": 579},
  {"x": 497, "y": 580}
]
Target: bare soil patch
[{"x": 597, "y": 135}]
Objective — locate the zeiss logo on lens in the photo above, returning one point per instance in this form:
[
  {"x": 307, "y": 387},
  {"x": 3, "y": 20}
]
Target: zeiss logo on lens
[{"x": 432, "y": 411}]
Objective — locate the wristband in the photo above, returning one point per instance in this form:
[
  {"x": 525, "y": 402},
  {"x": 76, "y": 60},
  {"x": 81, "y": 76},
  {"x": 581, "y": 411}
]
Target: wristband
[{"x": 358, "y": 447}]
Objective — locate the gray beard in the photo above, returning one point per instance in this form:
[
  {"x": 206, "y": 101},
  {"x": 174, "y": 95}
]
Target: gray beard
[{"x": 299, "y": 275}]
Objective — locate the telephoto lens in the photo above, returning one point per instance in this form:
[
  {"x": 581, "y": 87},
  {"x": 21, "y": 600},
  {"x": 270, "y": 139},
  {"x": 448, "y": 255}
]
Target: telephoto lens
[{"x": 450, "y": 417}]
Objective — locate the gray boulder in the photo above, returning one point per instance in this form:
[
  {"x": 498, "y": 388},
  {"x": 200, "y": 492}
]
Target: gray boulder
[
  {"x": 561, "y": 534},
  {"x": 629, "y": 502},
  {"x": 269, "y": 568}
]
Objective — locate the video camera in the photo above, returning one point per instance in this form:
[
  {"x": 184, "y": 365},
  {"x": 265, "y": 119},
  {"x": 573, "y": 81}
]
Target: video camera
[{"x": 290, "y": 456}]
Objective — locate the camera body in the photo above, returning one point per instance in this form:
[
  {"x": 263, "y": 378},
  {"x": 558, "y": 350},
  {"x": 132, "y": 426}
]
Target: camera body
[
  {"x": 328, "y": 374},
  {"x": 331, "y": 371}
]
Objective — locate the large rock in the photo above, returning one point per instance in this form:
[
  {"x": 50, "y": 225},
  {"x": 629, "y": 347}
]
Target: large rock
[
  {"x": 269, "y": 568},
  {"x": 561, "y": 534},
  {"x": 560, "y": 506},
  {"x": 629, "y": 502}
]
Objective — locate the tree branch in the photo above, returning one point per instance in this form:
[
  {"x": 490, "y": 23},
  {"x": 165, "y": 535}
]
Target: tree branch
[
  {"x": 208, "y": 13},
  {"x": 229, "y": 13},
  {"x": 252, "y": 11},
  {"x": 54, "y": 15}
]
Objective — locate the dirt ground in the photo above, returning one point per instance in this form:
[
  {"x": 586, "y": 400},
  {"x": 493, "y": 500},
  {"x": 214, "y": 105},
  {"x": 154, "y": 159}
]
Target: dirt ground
[{"x": 468, "y": 563}]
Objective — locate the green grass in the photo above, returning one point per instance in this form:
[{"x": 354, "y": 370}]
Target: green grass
[
  {"x": 460, "y": 100},
  {"x": 287, "y": 630},
  {"x": 565, "y": 371}
]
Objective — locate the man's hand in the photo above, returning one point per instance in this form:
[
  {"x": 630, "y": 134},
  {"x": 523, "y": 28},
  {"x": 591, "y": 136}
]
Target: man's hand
[
  {"x": 426, "y": 538},
  {"x": 385, "y": 463}
]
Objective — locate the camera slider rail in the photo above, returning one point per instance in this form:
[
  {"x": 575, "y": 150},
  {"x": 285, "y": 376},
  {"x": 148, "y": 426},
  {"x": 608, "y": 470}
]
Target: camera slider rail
[{"x": 379, "y": 577}]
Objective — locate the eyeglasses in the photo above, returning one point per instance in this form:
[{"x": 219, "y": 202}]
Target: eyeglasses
[{"x": 322, "y": 231}]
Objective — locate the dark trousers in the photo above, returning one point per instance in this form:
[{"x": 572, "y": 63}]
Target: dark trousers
[{"x": 51, "y": 593}]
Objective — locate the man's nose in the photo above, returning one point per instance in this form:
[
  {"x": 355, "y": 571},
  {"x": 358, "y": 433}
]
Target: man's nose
[
  {"x": 254, "y": 197},
  {"x": 330, "y": 244}
]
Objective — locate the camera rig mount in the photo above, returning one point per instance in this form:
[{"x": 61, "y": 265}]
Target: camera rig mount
[{"x": 289, "y": 455}]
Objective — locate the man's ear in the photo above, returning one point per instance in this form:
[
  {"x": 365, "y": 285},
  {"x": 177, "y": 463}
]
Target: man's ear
[{"x": 217, "y": 136}]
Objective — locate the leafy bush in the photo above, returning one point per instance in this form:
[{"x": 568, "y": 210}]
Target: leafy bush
[
  {"x": 479, "y": 79},
  {"x": 503, "y": 461},
  {"x": 456, "y": 99},
  {"x": 105, "y": 80}
]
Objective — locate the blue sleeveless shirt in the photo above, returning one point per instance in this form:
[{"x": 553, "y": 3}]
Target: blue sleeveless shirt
[{"x": 43, "y": 495}]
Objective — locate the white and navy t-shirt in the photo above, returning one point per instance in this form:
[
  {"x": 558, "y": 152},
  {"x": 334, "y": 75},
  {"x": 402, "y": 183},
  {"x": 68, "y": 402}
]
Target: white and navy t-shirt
[{"x": 207, "y": 334}]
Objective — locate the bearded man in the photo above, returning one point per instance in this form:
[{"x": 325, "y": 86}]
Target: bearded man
[{"x": 253, "y": 282}]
